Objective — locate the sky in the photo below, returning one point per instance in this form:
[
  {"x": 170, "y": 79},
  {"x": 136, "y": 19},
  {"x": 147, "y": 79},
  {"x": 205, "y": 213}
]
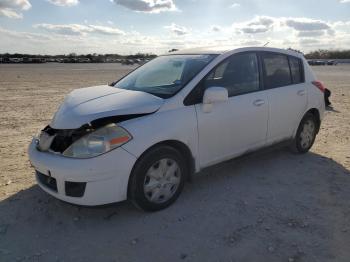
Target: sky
[{"x": 156, "y": 26}]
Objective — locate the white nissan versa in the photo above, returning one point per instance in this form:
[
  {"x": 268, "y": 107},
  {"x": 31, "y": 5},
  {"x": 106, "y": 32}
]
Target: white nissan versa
[{"x": 141, "y": 137}]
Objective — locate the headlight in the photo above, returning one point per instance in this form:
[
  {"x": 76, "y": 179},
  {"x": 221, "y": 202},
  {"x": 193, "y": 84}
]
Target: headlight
[{"x": 98, "y": 142}]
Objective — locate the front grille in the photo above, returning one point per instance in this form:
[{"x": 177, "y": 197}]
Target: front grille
[
  {"x": 75, "y": 189},
  {"x": 47, "y": 181}
]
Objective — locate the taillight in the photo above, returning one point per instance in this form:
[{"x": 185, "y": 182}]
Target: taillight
[{"x": 319, "y": 85}]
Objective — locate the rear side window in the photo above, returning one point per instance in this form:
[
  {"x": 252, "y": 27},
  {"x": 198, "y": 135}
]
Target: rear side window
[
  {"x": 296, "y": 70},
  {"x": 239, "y": 75},
  {"x": 276, "y": 70}
]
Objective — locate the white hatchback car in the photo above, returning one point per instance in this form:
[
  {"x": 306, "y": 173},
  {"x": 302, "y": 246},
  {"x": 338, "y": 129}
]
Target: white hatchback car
[{"x": 141, "y": 137}]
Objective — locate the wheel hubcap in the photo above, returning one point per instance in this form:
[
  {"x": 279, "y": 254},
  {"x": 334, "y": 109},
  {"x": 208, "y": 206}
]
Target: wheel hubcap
[
  {"x": 307, "y": 134},
  {"x": 162, "y": 180}
]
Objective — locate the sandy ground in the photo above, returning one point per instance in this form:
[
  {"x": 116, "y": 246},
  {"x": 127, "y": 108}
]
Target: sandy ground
[{"x": 269, "y": 206}]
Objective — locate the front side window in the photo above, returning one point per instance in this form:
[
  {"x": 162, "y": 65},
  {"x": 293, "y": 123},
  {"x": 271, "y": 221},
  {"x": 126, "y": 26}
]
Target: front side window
[
  {"x": 295, "y": 68},
  {"x": 239, "y": 75},
  {"x": 164, "y": 76},
  {"x": 276, "y": 70}
]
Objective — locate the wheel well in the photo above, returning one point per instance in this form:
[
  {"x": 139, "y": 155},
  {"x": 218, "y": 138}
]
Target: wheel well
[
  {"x": 179, "y": 146},
  {"x": 316, "y": 114},
  {"x": 183, "y": 149}
]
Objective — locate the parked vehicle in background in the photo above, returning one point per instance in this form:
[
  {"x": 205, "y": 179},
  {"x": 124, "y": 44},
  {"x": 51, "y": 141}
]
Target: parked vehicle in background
[
  {"x": 127, "y": 62},
  {"x": 322, "y": 62},
  {"x": 30, "y": 60},
  {"x": 143, "y": 136},
  {"x": 317, "y": 62},
  {"x": 332, "y": 62},
  {"x": 15, "y": 60}
]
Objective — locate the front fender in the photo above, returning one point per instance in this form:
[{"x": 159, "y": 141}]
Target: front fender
[{"x": 178, "y": 124}]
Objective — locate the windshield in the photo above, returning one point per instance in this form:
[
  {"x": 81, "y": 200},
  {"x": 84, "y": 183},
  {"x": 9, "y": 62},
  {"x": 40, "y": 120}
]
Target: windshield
[{"x": 164, "y": 76}]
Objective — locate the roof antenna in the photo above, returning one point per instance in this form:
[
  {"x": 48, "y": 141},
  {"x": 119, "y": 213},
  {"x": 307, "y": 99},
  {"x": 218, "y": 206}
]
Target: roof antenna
[{"x": 266, "y": 44}]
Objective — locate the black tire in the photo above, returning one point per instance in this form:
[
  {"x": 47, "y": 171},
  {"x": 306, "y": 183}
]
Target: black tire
[
  {"x": 136, "y": 192},
  {"x": 297, "y": 146}
]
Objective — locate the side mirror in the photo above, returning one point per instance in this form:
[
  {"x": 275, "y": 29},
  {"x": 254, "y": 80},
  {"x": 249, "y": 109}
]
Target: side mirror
[{"x": 214, "y": 95}]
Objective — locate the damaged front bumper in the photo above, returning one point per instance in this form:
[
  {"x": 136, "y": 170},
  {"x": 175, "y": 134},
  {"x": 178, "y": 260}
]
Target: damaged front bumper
[{"x": 94, "y": 181}]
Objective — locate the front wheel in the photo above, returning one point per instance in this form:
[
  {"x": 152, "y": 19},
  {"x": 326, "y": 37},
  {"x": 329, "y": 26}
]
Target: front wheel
[
  {"x": 157, "y": 179},
  {"x": 306, "y": 134}
]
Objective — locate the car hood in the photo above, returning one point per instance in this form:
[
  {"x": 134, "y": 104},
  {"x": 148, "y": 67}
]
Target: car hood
[{"x": 88, "y": 104}]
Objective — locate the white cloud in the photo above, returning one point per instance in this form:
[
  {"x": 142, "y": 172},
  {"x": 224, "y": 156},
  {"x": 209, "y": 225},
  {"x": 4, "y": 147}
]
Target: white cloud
[
  {"x": 309, "y": 41},
  {"x": 344, "y": 1},
  {"x": 343, "y": 26},
  {"x": 260, "y": 24},
  {"x": 46, "y": 43},
  {"x": 178, "y": 30},
  {"x": 303, "y": 27},
  {"x": 24, "y": 35},
  {"x": 15, "y": 4},
  {"x": 10, "y": 13},
  {"x": 13, "y": 8},
  {"x": 215, "y": 28},
  {"x": 305, "y": 24},
  {"x": 314, "y": 33},
  {"x": 107, "y": 30},
  {"x": 295, "y": 32},
  {"x": 79, "y": 30},
  {"x": 68, "y": 29},
  {"x": 64, "y": 2},
  {"x": 148, "y": 6},
  {"x": 235, "y": 5}
]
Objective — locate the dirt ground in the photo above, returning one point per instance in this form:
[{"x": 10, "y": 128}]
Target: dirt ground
[{"x": 268, "y": 206}]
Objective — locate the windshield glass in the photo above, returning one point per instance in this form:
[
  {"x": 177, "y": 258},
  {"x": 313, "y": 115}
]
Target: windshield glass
[{"x": 164, "y": 76}]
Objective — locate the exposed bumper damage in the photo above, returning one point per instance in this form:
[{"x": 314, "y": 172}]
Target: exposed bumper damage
[{"x": 58, "y": 140}]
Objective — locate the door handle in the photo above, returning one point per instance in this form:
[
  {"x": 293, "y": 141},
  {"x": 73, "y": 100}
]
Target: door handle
[
  {"x": 259, "y": 102},
  {"x": 301, "y": 92}
]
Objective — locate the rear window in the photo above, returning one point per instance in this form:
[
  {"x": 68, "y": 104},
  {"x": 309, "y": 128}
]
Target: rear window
[
  {"x": 296, "y": 70},
  {"x": 276, "y": 70}
]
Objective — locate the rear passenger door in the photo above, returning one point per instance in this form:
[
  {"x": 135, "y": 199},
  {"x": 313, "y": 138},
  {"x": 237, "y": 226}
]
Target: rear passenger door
[{"x": 286, "y": 93}]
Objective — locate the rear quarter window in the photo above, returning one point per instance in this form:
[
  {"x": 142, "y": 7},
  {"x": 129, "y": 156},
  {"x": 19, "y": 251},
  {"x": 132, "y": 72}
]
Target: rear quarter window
[
  {"x": 276, "y": 70},
  {"x": 296, "y": 68}
]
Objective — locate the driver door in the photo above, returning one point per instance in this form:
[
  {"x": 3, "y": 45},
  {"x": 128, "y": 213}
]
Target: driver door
[{"x": 238, "y": 125}]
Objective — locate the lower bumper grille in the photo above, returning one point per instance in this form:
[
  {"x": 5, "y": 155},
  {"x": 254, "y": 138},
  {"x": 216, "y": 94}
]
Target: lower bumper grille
[
  {"x": 75, "y": 189},
  {"x": 47, "y": 181}
]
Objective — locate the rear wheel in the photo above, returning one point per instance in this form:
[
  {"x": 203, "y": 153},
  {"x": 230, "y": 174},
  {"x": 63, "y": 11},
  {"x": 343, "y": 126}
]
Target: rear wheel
[
  {"x": 306, "y": 134},
  {"x": 157, "y": 179}
]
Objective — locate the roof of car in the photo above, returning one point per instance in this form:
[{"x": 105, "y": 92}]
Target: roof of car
[
  {"x": 202, "y": 51},
  {"x": 218, "y": 50}
]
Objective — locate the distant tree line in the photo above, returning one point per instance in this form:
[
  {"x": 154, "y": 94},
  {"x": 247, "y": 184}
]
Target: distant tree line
[
  {"x": 75, "y": 58},
  {"x": 318, "y": 54},
  {"x": 328, "y": 54},
  {"x": 136, "y": 56}
]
